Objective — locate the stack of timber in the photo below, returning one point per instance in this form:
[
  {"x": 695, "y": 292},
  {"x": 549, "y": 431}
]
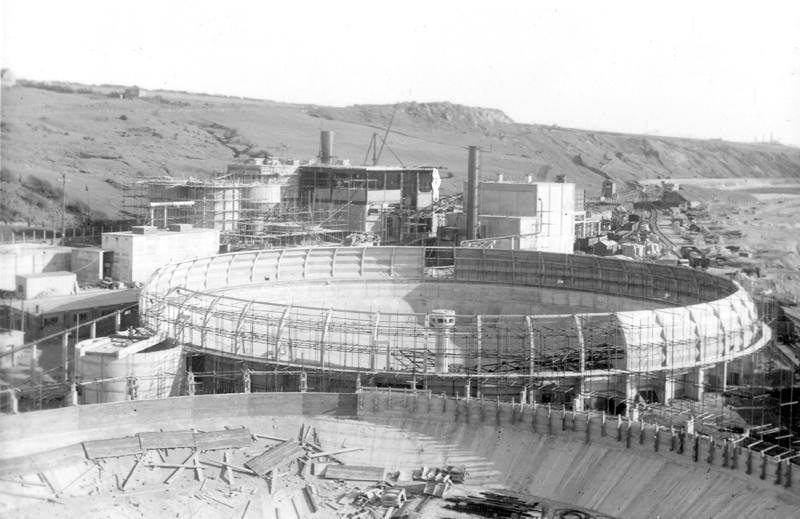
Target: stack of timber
[{"x": 494, "y": 505}]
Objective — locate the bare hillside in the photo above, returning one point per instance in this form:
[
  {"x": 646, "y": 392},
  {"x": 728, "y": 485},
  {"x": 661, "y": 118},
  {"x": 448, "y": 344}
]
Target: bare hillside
[{"x": 101, "y": 142}]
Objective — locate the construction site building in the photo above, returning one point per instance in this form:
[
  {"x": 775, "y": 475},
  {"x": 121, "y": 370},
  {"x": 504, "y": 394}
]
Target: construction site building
[
  {"x": 542, "y": 214},
  {"x": 140, "y": 252},
  {"x": 390, "y": 202},
  {"x": 31, "y": 258}
]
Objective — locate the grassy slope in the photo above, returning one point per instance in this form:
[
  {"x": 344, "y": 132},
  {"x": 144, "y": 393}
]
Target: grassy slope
[{"x": 45, "y": 133}]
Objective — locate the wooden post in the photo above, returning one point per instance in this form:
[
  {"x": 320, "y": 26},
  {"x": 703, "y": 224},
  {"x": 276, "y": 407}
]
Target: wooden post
[
  {"x": 93, "y": 330},
  {"x": 73, "y": 394},
  {"x": 34, "y": 352},
  {"x": 117, "y": 321},
  {"x": 12, "y": 395},
  {"x": 65, "y": 355}
]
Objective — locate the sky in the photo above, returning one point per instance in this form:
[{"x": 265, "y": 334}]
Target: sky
[{"x": 706, "y": 69}]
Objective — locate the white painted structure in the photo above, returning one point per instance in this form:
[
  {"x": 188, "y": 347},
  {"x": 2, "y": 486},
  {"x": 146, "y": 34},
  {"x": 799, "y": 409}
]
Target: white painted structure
[
  {"x": 137, "y": 256},
  {"x": 545, "y": 211},
  {"x": 46, "y": 284}
]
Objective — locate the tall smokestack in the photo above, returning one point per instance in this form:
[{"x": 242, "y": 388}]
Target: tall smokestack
[
  {"x": 472, "y": 190},
  {"x": 326, "y": 146}
]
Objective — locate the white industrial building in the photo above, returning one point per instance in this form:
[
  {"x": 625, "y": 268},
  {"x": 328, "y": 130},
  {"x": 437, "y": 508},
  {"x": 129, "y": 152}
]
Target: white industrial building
[
  {"x": 531, "y": 216},
  {"x": 140, "y": 252}
]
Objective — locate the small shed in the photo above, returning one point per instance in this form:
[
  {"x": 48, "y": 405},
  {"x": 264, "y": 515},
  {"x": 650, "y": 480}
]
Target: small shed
[
  {"x": 46, "y": 284},
  {"x": 633, "y": 250},
  {"x": 134, "y": 91},
  {"x": 606, "y": 248}
]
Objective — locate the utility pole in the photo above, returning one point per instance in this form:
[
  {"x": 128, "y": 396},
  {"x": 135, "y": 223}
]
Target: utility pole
[
  {"x": 64, "y": 209},
  {"x": 88, "y": 207}
]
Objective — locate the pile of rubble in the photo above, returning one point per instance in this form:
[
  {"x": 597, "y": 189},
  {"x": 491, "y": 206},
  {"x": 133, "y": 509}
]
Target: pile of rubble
[{"x": 238, "y": 472}]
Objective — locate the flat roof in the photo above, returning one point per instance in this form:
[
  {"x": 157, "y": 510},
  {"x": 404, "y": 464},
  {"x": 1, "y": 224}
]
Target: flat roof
[
  {"x": 93, "y": 249},
  {"x": 17, "y": 248},
  {"x": 89, "y": 299},
  {"x": 57, "y": 274},
  {"x": 159, "y": 232},
  {"x": 365, "y": 168},
  {"x": 792, "y": 313}
]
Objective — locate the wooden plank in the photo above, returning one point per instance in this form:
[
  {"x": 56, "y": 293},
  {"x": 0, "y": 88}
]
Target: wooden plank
[
  {"x": 21, "y": 466},
  {"x": 340, "y": 451},
  {"x": 179, "y": 470},
  {"x": 131, "y": 473},
  {"x": 92, "y": 468},
  {"x": 230, "y": 439},
  {"x": 274, "y": 438},
  {"x": 355, "y": 473},
  {"x": 275, "y": 457},
  {"x": 136, "y": 347},
  {"x": 228, "y": 470},
  {"x": 167, "y": 440},
  {"x": 31, "y": 496},
  {"x": 218, "y": 500},
  {"x": 112, "y": 448},
  {"x": 60, "y": 458},
  {"x": 198, "y": 471},
  {"x": 226, "y": 465}
]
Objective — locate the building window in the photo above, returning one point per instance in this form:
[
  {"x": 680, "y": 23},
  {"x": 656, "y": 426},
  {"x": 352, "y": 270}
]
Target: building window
[
  {"x": 50, "y": 321},
  {"x": 393, "y": 180},
  {"x": 20, "y": 288},
  {"x": 83, "y": 316},
  {"x": 376, "y": 181},
  {"x": 425, "y": 181}
]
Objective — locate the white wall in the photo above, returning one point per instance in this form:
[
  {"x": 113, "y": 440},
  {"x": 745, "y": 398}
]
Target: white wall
[
  {"x": 33, "y": 286},
  {"x": 553, "y": 203},
  {"x": 31, "y": 259},
  {"x": 137, "y": 256}
]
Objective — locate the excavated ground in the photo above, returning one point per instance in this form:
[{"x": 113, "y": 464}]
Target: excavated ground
[{"x": 511, "y": 453}]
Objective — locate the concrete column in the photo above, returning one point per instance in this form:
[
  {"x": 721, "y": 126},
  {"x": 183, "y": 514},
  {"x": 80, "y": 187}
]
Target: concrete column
[
  {"x": 373, "y": 349},
  {"x": 303, "y": 382},
  {"x": 34, "y": 354},
  {"x": 247, "y": 380},
  {"x": 443, "y": 321},
  {"x": 190, "y": 384},
  {"x": 117, "y": 321},
  {"x": 65, "y": 355},
  {"x": 724, "y": 376},
  {"x": 630, "y": 396},
  {"x": 533, "y": 395},
  {"x": 133, "y": 389},
  {"x": 579, "y": 398},
  {"x": 699, "y": 380},
  {"x": 73, "y": 394},
  {"x": 93, "y": 330},
  {"x": 669, "y": 389},
  {"x": 14, "y": 401}
]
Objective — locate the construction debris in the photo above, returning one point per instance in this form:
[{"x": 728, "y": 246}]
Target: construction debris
[
  {"x": 444, "y": 475},
  {"x": 157, "y": 462},
  {"x": 494, "y": 505},
  {"x": 356, "y": 473},
  {"x": 273, "y": 458}
]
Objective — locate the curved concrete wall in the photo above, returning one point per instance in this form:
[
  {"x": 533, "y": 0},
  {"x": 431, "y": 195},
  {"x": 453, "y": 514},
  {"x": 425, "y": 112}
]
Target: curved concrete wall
[
  {"x": 157, "y": 374},
  {"x": 225, "y": 304},
  {"x": 622, "y": 471}
]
